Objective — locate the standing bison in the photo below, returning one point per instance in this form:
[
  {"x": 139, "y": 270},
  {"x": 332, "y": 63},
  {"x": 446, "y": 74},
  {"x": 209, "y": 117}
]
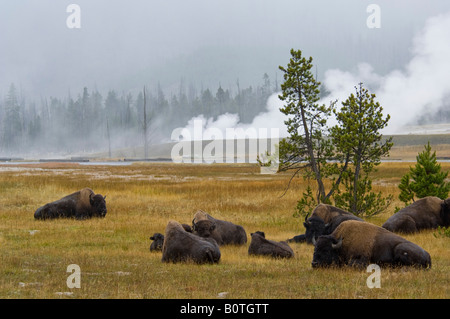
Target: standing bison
[
  {"x": 223, "y": 232},
  {"x": 83, "y": 204},
  {"x": 356, "y": 243},
  {"x": 180, "y": 246},
  {"x": 262, "y": 246},
  {"x": 323, "y": 221},
  {"x": 428, "y": 212}
]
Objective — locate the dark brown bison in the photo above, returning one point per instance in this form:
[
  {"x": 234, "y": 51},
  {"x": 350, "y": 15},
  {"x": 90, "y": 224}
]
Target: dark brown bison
[
  {"x": 80, "y": 205},
  {"x": 323, "y": 221},
  {"x": 357, "y": 243},
  {"x": 259, "y": 245},
  {"x": 428, "y": 212},
  {"x": 157, "y": 243},
  {"x": 180, "y": 246},
  {"x": 223, "y": 232},
  {"x": 158, "y": 238}
]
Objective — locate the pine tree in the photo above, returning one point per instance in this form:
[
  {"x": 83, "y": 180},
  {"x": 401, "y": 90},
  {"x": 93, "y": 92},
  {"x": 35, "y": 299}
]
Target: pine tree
[
  {"x": 425, "y": 179},
  {"x": 307, "y": 149},
  {"x": 12, "y": 121},
  {"x": 357, "y": 136}
]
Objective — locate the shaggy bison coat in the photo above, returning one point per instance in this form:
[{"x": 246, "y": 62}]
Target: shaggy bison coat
[
  {"x": 358, "y": 243},
  {"x": 259, "y": 245},
  {"x": 223, "y": 232},
  {"x": 83, "y": 204},
  {"x": 180, "y": 245},
  {"x": 428, "y": 212},
  {"x": 323, "y": 221}
]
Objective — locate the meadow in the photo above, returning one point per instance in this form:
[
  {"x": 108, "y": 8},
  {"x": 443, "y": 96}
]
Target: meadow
[{"x": 113, "y": 253}]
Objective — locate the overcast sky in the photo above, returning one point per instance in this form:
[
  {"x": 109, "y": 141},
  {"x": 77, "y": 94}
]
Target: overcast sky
[{"x": 123, "y": 45}]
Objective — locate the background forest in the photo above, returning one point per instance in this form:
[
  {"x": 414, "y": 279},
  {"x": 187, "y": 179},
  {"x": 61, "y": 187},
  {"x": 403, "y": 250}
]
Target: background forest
[{"x": 82, "y": 121}]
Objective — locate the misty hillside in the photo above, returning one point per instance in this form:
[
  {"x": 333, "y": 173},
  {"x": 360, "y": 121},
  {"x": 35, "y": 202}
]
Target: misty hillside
[{"x": 97, "y": 124}]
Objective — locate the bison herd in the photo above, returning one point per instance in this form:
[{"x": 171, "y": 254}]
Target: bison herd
[{"x": 339, "y": 237}]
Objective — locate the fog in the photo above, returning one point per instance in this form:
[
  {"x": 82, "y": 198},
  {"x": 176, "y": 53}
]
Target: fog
[
  {"x": 412, "y": 92},
  {"x": 175, "y": 45}
]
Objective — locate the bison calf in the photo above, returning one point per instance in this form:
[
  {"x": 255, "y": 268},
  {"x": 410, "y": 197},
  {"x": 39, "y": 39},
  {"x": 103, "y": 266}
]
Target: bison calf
[
  {"x": 80, "y": 205},
  {"x": 358, "y": 243},
  {"x": 158, "y": 241},
  {"x": 180, "y": 245},
  {"x": 262, "y": 246}
]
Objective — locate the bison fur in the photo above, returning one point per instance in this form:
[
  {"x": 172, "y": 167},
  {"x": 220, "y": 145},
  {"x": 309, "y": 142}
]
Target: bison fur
[
  {"x": 182, "y": 246},
  {"x": 223, "y": 232},
  {"x": 323, "y": 221},
  {"x": 259, "y": 245},
  {"x": 359, "y": 244},
  {"x": 426, "y": 213},
  {"x": 157, "y": 243},
  {"x": 83, "y": 204}
]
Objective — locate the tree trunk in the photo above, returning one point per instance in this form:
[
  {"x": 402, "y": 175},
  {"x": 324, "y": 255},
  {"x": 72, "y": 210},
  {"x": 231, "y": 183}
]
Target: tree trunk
[
  {"x": 321, "y": 187},
  {"x": 109, "y": 137},
  {"x": 145, "y": 127},
  {"x": 354, "y": 205}
]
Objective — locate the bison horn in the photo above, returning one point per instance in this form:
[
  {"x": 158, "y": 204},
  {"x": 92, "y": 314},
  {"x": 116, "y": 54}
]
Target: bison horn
[
  {"x": 313, "y": 239},
  {"x": 338, "y": 244},
  {"x": 306, "y": 217}
]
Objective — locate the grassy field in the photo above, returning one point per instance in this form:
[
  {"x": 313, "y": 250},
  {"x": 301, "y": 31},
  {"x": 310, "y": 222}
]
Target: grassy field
[{"x": 113, "y": 253}]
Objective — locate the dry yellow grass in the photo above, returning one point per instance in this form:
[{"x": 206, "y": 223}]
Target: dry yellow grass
[{"x": 113, "y": 253}]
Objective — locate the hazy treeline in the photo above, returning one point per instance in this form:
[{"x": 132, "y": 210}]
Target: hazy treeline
[{"x": 90, "y": 120}]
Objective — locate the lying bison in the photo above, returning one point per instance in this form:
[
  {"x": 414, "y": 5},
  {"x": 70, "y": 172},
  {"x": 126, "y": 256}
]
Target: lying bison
[
  {"x": 180, "y": 245},
  {"x": 223, "y": 232},
  {"x": 323, "y": 221},
  {"x": 158, "y": 238},
  {"x": 356, "y": 243},
  {"x": 157, "y": 243},
  {"x": 259, "y": 245},
  {"x": 80, "y": 205},
  {"x": 428, "y": 212}
]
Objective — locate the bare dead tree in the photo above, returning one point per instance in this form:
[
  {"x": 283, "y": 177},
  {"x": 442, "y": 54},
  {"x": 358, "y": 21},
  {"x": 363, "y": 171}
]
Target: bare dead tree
[
  {"x": 109, "y": 136},
  {"x": 145, "y": 127}
]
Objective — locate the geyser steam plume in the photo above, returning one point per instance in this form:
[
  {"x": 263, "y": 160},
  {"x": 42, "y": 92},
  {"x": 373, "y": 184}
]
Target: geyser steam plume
[{"x": 422, "y": 87}]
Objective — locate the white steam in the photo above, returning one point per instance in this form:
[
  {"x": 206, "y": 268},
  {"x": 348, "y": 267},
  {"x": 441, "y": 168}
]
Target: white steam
[
  {"x": 421, "y": 88},
  {"x": 272, "y": 118}
]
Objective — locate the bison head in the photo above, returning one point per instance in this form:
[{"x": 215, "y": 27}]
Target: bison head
[
  {"x": 259, "y": 233},
  {"x": 445, "y": 212},
  {"x": 315, "y": 227},
  {"x": 326, "y": 251},
  {"x": 409, "y": 254},
  {"x": 204, "y": 228},
  {"x": 158, "y": 241},
  {"x": 98, "y": 204}
]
